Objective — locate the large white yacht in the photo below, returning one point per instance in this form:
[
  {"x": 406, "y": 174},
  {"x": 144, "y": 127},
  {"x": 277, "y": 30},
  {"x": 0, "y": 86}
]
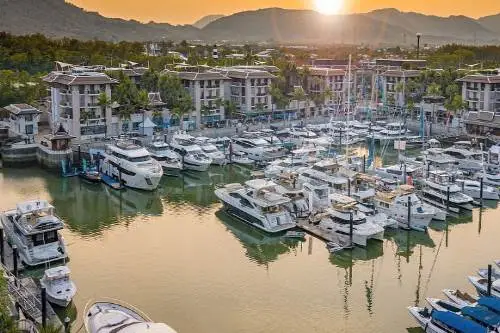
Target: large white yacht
[
  {"x": 193, "y": 157},
  {"x": 466, "y": 159},
  {"x": 395, "y": 205},
  {"x": 257, "y": 149},
  {"x": 111, "y": 317},
  {"x": 211, "y": 150},
  {"x": 337, "y": 219},
  {"x": 257, "y": 204},
  {"x": 169, "y": 160},
  {"x": 34, "y": 228},
  {"x": 132, "y": 165},
  {"x": 436, "y": 189}
]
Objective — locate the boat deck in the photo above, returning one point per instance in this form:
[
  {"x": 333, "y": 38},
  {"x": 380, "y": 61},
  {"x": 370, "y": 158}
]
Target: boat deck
[
  {"x": 310, "y": 228},
  {"x": 111, "y": 182}
]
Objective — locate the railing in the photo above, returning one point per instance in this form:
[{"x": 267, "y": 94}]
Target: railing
[{"x": 29, "y": 303}]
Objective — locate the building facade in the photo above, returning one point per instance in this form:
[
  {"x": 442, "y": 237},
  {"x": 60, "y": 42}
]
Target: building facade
[
  {"x": 391, "y": 80},
  {"x": 481, "y": 92},
  {"x": 74, "y": 102},
  {"x": 23, "y": 120}
]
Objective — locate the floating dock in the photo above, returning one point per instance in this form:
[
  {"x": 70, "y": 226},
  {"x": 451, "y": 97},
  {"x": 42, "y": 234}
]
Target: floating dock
[
  {"x": 317, "y": 231},
  {"x": 111, "y": 182}
]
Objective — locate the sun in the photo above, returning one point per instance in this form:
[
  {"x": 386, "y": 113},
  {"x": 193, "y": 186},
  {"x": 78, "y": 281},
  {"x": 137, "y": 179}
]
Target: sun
[{"x": 328, "y": 7}]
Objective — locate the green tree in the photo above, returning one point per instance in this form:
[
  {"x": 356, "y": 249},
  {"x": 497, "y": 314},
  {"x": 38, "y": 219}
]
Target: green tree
[
  {"x": 49, "y": 328},
  {"x": 149, "y": 80},
  {"x": 103, "y": 101},
  {"x": 229, "y": 109},
  {"x": 299, "y": 95},
  {"x": 183, "y": 106},
  {"x": 143, "y": 99}
]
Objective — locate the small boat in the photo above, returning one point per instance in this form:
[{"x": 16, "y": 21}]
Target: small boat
[
  {"x": 60, "y": 289},
  {"x": 481, "y": 285},
  {"x": 112, "y": 182},
  {"x": 444, "y": 321},
  {"x": 295, "y": 234},
  {"x": 483, "y": 272},
  {"x": 460, "y": 298},
  {"x": 90, "y": 176},
  {"x": 110, "y": 317},
  {"x": 444, "y": 305}
]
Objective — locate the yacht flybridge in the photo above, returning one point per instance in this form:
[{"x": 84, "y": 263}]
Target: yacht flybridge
[
  {"x": 34, "y": 228},
  {"x": 436, "y": 189},
  {"x": 132, "y": 165},
  {"x": 257, "y": 204},
  {"x": 193, "y": 157},
  {"x": 169, "y": 160}
]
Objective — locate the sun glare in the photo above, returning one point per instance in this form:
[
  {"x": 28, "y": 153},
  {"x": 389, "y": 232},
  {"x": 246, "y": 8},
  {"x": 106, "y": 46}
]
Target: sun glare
[{"x": 328, "y": 7}]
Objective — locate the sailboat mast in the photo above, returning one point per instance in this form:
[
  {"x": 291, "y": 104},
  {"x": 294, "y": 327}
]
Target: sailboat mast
[{"x": 348, "y": 105}]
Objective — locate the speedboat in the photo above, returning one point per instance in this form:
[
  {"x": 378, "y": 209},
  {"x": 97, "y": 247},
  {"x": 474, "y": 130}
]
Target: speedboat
[
  {"x": 90, "y": 176},
  {"x": 444, "y": 321},
  {"x": 60, "y": 289},
  {"x": 211, "y": 150},
  {"x": 110, "y": 317},
  {"x": 481, "y": 285},
  {"x": 34, "y": 228},
  {"x": 460, "y": 298},
  {"x": 473, "y": 189},
  {"x": 257, "y": 149},
  {"x": 169, "y": 160},
  {"x": 193, "y": 157},
  {"x": 257, "y": 204},
  {"x": 395, "y": 205},
  {"x": 131, "y": 165},
  {"x": 444, "y": 305}
]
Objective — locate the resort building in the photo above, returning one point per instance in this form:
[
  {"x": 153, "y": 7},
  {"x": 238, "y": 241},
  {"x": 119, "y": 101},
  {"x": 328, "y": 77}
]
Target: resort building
[
  {"x": 481, "y": 92},
  {"x": 74, "y": 101},
  {"x": 23, "y": 120},
  {"x": 208, "y": 91},
  {"x": 392, "y": 91},
  {"x": 323, "y": 80}
]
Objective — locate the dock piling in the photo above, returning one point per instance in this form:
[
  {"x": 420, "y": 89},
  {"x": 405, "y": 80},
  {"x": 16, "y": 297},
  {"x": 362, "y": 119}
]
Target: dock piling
[
  {"x": 2, "y": 256},
  {"x": 44, "y": 307},
  {"x": 364, "y": 163},
  {"x": 348, "y": 187},
  {"x": 409, "y": 212},
  {"x": 67, "y": 321},
  {"x": 481, "y": 191},
  {"x": 14, "y": 258},
  {"x": 404, "y": 174},
  {"x": 448, "y": 198},
  {"x": 488, "y": 291},
  {"x": 351, "y": 228}
]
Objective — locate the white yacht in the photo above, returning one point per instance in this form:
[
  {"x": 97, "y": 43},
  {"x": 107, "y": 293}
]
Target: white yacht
[
  {"x": 393, "y": 131},
  {"x": 34, "y": 228},
  {"x": 337, "y": 220},
  {"x": 397, "y": 172},
  {"x": 211, "y": 150},
  {"x": 298, "y": 157},
  {"x": 257, "y": 149},
  {"x": 238, "y": 157},
  {"x": 444, "y": 321},
  {"x": 60, "y": 289},
  {"x": 169, "y": 160},
  {"x": 111, "y": 317},
  {"x": 473, "y": 189},
  {"x": 466, "y": 159},
  {"x": 132, "y": 165},
  {"x": 395, "y": 205},
  {"x": 257, "y": 204},
  {"x": 193, "y": 157},
  {"x": 436, "y": 190},
  {"x": 481, "y": 285}
]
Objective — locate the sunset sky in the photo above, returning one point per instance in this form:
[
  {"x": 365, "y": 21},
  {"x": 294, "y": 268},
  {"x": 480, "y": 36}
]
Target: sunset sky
[{"x": 188, "y": 11}]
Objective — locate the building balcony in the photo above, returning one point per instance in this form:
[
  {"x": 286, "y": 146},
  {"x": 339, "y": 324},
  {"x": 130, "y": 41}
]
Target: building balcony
[
  {"x": 93, "y": 92},
  {"x": 66, "y": 106}
]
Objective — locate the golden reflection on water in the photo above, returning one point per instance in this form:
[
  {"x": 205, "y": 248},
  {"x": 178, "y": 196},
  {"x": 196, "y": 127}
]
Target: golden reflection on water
[{"x": 173, "y": 254}]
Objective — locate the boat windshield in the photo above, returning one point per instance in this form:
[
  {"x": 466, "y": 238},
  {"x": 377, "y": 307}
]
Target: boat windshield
[
  {"x": 44, "y": 238},
  {"x": 139, "y": 159}
]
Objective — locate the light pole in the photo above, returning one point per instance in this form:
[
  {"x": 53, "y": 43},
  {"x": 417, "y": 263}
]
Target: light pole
[{"x": 418, "y": 44}]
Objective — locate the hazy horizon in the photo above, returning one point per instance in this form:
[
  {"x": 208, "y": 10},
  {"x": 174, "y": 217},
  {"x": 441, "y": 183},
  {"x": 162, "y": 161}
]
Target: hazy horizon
[{"x": 189, "y": 11}]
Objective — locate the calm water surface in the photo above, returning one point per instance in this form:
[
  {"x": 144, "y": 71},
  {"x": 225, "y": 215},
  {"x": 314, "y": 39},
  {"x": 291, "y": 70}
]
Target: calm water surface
[{"x": 176, "y": 256}]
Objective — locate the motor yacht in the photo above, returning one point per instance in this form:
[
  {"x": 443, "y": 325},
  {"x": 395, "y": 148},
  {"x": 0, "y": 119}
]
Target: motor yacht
[
  {"x": 393, "y": 131},
  {"x": 472, "y": 188},
  {"x": 217, "y": 156},
  {"x": 257, "y": 149},
  {"x": 481, "y": 285},
  {"x": 444, "y": 321},
  {"x": 465, "y": 159},
  {"x": 395, "y": 205},
  {"x": 60, "y": 289},
  {"x": 192, "y": 156},
  {"x": 170, "y": 161},
  {"x": 34, "y": 228},
  {"x": 436, "y": 189},
  {"x": 257, "y": 204},
  {"x": 132, "y": 165},
  {"x": 111, "y": 317}
]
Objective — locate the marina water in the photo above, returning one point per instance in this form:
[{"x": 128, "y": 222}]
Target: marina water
[{"x": 174, "y": 254}]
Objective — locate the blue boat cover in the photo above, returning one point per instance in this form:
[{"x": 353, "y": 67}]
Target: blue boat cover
[
  {"x": 482, "y": 315},
  {"x": 492, "y": 303},
  {"x": 458, "y": 323}
]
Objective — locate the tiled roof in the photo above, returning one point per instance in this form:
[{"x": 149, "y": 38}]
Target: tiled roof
[
  {"x": 478, "y": 78},
  {"x": 401, "y": 73},
  {"x": 69, "y": 79},
  {"x": 326, "y": 71},
  {"x": 19, "y": 109}
]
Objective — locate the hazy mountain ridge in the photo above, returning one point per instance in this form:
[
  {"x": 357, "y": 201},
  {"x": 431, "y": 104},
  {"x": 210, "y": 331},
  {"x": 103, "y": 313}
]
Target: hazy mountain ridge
[
  {"x": 206, "y": 20},
  {"x": 56, "y": 18}
]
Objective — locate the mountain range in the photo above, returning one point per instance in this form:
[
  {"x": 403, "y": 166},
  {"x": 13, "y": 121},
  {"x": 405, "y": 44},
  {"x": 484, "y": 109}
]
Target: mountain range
[{"x": 56, "y": 18}]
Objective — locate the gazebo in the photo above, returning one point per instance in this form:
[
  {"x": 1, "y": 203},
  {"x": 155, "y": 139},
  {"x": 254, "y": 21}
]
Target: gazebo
[{"x": 147, "y": 127}]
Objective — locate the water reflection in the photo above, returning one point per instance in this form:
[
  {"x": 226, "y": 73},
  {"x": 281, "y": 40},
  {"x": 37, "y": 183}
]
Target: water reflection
[
  {"x": 407, "y": 240},
  {"x": 259, "y": 247}
]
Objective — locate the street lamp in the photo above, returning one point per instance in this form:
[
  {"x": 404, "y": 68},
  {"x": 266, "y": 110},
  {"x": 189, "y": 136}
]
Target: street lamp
[{"x": 418, "y": 44}]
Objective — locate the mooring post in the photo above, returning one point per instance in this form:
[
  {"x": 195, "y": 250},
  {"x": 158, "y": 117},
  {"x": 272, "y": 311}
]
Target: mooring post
[
  {"x": 448, "y": 198},
  {"x": 351, "y": 227},
  {"x": 2, "y": 255},
  {"x": 44, "y": 307},
  {"x": 364, "y": 163},
  {"x": 481, "y": 191},
  {"x": 14, "y": 259},
  {"x": 348, "y": 187},
  {"x": 428, "y": 169},
  {"x": 404, "y": 173},
  {"x": 67, "y": 321},
  {"x": 488, "y": 291},
  {"x": 409, "y": 212}
]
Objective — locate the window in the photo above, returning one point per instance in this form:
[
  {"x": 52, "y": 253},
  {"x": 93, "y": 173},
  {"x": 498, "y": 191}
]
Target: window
[{"x": 29, "y": 129}]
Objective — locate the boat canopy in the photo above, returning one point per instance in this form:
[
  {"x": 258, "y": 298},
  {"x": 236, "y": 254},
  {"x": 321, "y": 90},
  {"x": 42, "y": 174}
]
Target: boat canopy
[
  {"x": 457, "y": 322},
  {"x": 492, "y": 303},
  {"x": 57, "y": 273},
  {"x": 482, "y": 315},
  {"x": 28, "y": 207}
]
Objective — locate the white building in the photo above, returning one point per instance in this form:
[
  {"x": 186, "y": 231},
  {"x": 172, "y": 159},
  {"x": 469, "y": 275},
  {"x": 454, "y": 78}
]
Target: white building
[
  {"x": 249, "y": 88},
  {"x": 207, "y": 90},
  {"x": 322, "y": 79},
  {"x": 74, "y": 102},
  {"x": 390, "y": 81},
  {"x": 23, "y": 120},
  {"x": 481, "y": 92}
]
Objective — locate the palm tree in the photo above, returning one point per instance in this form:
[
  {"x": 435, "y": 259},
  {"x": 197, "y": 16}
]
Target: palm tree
[
  {"x": 299, "y": 95},
  {"x": 104, "y": 101},
  {"x": 183, "y": 107},
  {"x": 205, "y": 110},
  {"x": 433, "y": 90}
]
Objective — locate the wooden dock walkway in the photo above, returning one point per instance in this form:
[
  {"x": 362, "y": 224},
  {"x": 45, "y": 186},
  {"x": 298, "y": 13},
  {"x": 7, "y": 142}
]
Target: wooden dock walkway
[{"x": 317, "y": 231}]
